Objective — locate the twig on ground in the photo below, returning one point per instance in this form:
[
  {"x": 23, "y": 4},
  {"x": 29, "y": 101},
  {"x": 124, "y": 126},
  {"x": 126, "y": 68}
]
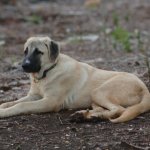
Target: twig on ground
[
  {"x": 133, "y": 147},
  {"x": 60, "y": 120}
]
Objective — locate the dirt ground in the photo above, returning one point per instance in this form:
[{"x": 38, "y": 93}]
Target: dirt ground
[{"x": 85, "y": 34}]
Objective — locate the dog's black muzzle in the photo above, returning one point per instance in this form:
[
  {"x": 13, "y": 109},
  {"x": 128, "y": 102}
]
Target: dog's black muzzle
[{"x": 31, "y": 64}]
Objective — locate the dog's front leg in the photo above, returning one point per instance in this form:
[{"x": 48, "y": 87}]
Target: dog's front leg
[
  {"x": 40, "y": 106},
  {"x": 23, "y": 99}
]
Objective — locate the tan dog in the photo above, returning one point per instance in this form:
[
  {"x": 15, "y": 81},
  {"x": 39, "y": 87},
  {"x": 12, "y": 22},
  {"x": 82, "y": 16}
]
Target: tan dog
[{"x": 60, "y": 82}]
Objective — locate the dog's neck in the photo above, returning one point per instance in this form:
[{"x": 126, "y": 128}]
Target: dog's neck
[{"x": 42, "y": 74}]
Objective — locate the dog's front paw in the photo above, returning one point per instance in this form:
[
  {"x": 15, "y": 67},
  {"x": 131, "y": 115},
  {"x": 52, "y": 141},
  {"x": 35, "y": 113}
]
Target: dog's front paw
[
  {"x": 80, "y": 116},
  {"x": 84, "y": 116},
  {"x": 76, "y": 117},
  {"x": 6, "y": 105},
  {"x": 2, "y": 113}
]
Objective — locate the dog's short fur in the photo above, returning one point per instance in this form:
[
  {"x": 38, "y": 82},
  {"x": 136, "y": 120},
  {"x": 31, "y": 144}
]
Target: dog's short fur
[{"x": 69, "y": 84}]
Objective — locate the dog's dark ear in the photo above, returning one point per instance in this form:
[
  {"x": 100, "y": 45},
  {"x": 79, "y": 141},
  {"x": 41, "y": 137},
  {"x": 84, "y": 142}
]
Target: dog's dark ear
[{"x": 54, "y": 50}]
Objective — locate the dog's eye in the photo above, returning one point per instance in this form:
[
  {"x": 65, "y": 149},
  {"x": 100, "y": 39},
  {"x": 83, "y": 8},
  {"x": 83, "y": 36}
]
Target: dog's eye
[
  {"x": 36, "y": 51},
  {"x": 26, "y": 51}
]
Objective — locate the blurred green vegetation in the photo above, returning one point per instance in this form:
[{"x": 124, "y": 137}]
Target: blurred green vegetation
[
  {"x": 120, "y": 34},
  {"x": 123, "y": 37},
  {"x": 35, "y": 19}
]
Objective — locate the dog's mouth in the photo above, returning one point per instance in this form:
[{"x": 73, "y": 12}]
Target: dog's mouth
[{"x": 30, "y": 67}]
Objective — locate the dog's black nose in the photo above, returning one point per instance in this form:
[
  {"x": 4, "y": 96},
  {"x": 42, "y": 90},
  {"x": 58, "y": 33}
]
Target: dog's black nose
[{"x": 26, "y": 64}]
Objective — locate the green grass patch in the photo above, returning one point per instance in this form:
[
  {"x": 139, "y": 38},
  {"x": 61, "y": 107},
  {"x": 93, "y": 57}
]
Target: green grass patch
[
  {"x": 123, "y": 37},
  {"x": 35, "y": 19}
]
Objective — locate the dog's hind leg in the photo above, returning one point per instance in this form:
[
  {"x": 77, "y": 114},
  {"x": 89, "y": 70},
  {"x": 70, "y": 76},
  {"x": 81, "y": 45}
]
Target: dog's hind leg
[
  {"x": 106, "y": 114},
  {"x": 89, "y": 114},
  {"x": 135, "y": 110},
  {"x": 111, "y": 110},
  {"x": 100, "y": 112},
  {"x": 129, "y": 92}
]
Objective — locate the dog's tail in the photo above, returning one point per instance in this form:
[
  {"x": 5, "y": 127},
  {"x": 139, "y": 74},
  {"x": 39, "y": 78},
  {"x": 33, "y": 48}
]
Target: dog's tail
[{"x": 135, "y": 110}]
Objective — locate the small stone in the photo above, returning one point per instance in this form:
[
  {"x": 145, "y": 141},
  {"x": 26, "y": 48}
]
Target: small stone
[
  {"x": 68, "y": 128},
  {"x": 67, "y": 135},
  {"x": 2, "y": 43},
  {"x": 9, "y": 129},
  {"x": 97, "y": 148},
  {"x": 67, "y": 142},
  {"x": 130, "y": 129},
  {"x": 1, "y": 91},
  {"x": 56, "y": 147},
  {"x": 16, "y": 88},
  {"x": 108, "y": 31}
]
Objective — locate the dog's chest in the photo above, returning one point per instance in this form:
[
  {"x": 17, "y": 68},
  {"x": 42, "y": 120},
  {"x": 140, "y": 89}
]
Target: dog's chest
[
  {"x": 42, "y": 86},
  {"x": 74, "y": 101},
  {"x": 79, "y": 95}
]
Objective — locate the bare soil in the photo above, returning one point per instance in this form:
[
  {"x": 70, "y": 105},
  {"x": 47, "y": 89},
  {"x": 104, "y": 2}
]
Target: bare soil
[{"x": 62, "y": 20}]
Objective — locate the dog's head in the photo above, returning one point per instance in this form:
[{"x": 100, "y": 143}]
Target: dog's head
[{"x": 39, "y": 52}]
